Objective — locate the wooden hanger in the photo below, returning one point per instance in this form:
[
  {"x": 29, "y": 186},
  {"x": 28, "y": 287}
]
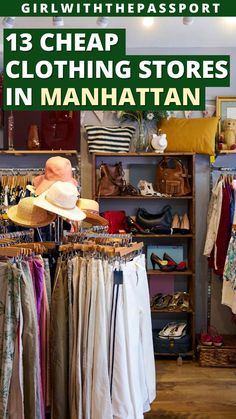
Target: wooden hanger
[
  {"x": 14, "y": 251},
  {"x": 106, "y": 249}
]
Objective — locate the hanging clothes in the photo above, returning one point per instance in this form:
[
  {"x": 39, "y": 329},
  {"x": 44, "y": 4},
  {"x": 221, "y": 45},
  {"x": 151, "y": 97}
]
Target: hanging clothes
[
  {"x": 83, "y": 348},
  {"x": 24, "y": 371},
  {"x": 229, "y": 276},
  {"x": 102, "y": 351},
  {"x": 221, "y": 210}
]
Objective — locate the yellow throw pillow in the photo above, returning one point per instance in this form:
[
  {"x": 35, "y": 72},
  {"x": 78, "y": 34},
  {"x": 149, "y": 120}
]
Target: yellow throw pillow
[{"x": 195, "y": 134}]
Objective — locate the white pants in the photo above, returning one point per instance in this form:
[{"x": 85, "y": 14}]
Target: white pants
[{"x": 133, "y": 372}]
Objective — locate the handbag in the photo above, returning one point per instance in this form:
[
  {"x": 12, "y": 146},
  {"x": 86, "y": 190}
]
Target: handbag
[
  {"x": 148, "y": 220},
  {"x": 172, "y": 178},
  {"x": 116, "y": 221},
  {"x": 111, "y": 179}
]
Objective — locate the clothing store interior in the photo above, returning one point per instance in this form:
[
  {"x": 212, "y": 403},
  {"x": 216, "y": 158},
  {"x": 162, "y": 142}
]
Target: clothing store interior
[{"x": 117, "y": 247}]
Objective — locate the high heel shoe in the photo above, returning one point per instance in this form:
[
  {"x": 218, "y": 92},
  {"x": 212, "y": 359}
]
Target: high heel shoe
[
  {"x": 135, "y": 228},
  {"x": 163, "y": 264},
  {"x": 185, "y": 225},
  {"x": 181, "y": 266},
  {"x": 176, "y": 224}
]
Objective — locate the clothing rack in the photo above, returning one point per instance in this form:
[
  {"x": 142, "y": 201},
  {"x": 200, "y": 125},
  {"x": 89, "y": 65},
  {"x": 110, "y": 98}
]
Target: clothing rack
[
  {"x": 21, "y": 170},
  {"x": 102, "y": 238},
  {"x": 107, "y": 250},
  {"x": 27, "y": 249},
  {"x": 222, "y": 169},
  {"x": 18, "y": 235}
]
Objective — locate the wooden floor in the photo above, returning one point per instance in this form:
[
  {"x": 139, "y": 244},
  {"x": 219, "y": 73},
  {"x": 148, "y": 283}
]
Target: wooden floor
[{"x": 192, "y": 392}]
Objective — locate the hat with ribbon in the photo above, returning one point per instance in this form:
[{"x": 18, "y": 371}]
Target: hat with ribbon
[
  {"x": 61, "y": 199},
  {"x": 56, "y": 168},
  {"x": 26, "y": 214},
  {"x": 91, "y": 209}
]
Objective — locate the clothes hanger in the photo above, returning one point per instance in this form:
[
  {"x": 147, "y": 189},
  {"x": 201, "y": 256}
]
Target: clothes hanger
[
  {"x": 14, "y": 251},
  {"x": 104, "y": 249}
]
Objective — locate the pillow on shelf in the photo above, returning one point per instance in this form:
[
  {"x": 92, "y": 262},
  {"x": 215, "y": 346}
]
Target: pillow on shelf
[
  {"x": 109, "y": 139},
  {"x": 195, "y": 134}
]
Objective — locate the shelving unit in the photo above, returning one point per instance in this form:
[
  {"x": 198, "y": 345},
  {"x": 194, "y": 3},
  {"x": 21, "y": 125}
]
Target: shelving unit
[{"x": 143, "y": 166}]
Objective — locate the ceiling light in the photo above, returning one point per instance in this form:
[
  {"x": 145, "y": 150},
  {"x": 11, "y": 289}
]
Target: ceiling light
[
  {"x": 148, "y": 22},
  {"x": 230, "y": 20},
  {"x": 188, "y": 20},
  {"x": 8, "y": 22},
  {"x": 57, "y": 21},
  {"x": 103, "y": 21}
]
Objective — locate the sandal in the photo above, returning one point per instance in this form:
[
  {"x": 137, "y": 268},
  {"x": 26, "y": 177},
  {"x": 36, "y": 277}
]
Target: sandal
[
  {"x": 146, "y": 188},
  {"x": 164, "y": 333},
  {"x": 173, "y": 330},
  {"x": 179, "y": 331},
  {"x": 183, "y": 302},
  {"x": 161, "y": 302}
]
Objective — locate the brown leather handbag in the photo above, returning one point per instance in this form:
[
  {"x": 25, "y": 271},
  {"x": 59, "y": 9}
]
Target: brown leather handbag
[
  {"x": 172, "y": 178},
  {"x": 111, "y": 179}
]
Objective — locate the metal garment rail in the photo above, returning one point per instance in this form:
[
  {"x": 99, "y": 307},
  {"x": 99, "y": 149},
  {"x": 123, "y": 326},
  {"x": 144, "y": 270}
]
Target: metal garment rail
[
  {"x": 221, "y": 169},
  {"x": 20, "y": 170}
]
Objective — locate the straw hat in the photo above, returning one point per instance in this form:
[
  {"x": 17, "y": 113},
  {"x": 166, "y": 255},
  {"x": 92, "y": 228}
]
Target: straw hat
[
  {"x": 56, "y": 168},
  {"x": 26, "y": 214},
  {"x": 61, "y": 199},
  {"x": 91, "y": 209}
]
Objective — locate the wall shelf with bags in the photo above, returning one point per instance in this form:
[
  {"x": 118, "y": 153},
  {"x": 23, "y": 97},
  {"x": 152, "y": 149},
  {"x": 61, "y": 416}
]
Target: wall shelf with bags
[{"x": 169, "y": 245}]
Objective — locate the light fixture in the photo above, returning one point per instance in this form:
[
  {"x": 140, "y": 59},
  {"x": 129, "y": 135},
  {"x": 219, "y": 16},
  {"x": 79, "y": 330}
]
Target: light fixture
[
  {"x": 230, "y": 20},
  {"x": 57, "y": 21},
  {"x": 8, "y": 22},
  {"x": 103, "y": 21},
  {"x": 188, "y": 20},
  {"x": 148, "y": 21}
]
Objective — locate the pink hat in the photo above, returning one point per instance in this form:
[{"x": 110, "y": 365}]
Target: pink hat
[{"x": 56, "y": 168}]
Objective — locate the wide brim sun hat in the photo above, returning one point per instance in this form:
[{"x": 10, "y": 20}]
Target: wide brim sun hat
[
  {"x": 26, "y": 214},
  {"x": 91, "y": 209},
  {"x": 56, "y": 168},
  {"x": 61, "y": 199}
]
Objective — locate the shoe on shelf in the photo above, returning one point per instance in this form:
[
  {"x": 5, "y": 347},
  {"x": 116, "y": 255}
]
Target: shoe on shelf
[
  {"x": 161, "y": 302},
  {"x": 155, "y": 299},
  {"x": 164, "y": 333},
  {"x": 129, "y": 189},
  {"x": 135, "y": 228},
  {"x": 179, "y": 331},
  {"x": 146, "y": 188},
  {"x": 183, "y": 302},
  {"x": 185, "y": 224},
  {"x": 217, "y": 339},
  {"x": 173, "y": 330},
  {"x": 181, "y": 266},
  {"x": 164, "y": 265},
  {"x": 206, "y": 338},
  {"x": 176, "y": 224}
]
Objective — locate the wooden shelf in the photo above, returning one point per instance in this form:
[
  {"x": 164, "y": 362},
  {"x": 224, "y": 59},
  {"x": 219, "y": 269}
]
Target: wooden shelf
[
  {"x": 130, "y": 203},
  {"x": 175, "y": 273},
  {"x": 169, "y": 236},
  {"x": 152, "y": 154},
  {"x": 141, "y": 197},
  {"x": 172, "y": 311},
  {"x": 183, "y": 354},
  {"x": 20, "y": 152},
  {"x": 222, "y": 152}
]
